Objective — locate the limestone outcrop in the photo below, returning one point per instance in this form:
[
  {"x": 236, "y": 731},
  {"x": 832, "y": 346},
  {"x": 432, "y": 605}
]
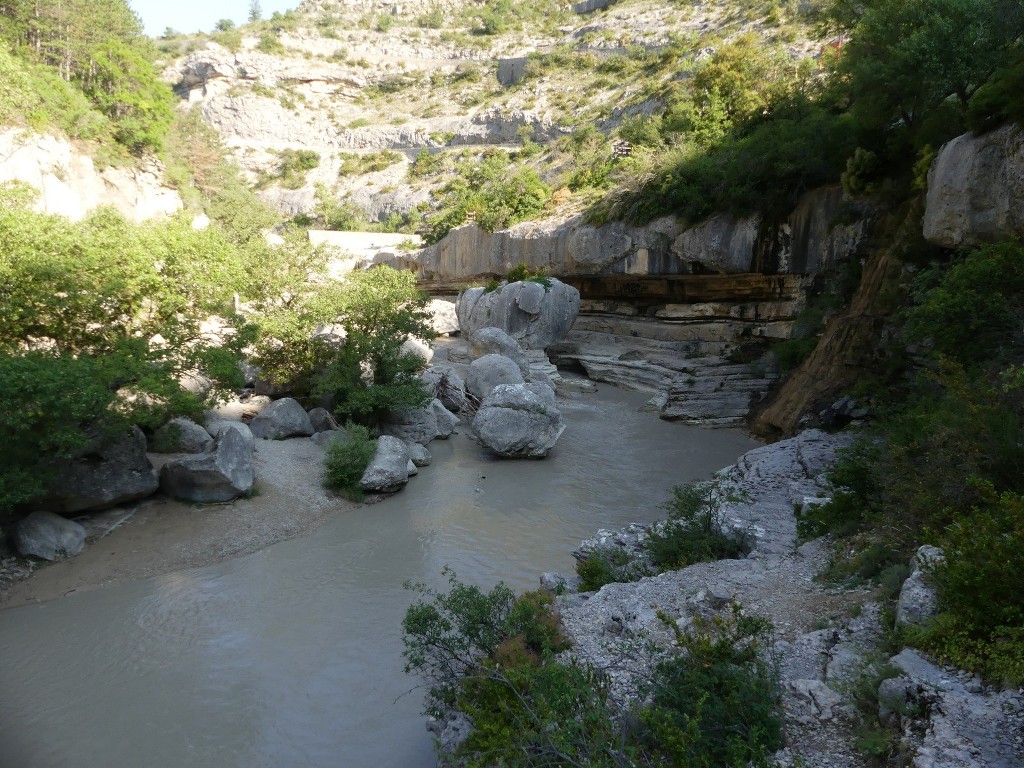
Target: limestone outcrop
[
  {"x": 446, "y": 385},
  {"x": 976, "y": 189},
  {"x": 388, "y": 470},
  {"x": 490, "y": 371},
  {"x": 48, "y": 536},
  {"x": 811, "y": 237},
  {"x": 486, "y": 341},
  {"x": 535, "y": 315},
  {"x": 421, "y": 425},
  {"x": 181, "y": 435},
  {"x": 281, "y": 419},
  {"x": 919, "y": 596},
  {"x": 70, "y": 185}
]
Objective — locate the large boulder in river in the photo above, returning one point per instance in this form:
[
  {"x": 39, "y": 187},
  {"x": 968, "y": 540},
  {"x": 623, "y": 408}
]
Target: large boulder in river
[
  {"x": 181, "y": 435},
  {"x": 223, "y": 474},
  {"x": 534, "y": 314},
  {"x": 517, "y": 423},
  {"x": 109, "y": 472},
  {"x": 487, "y": 341},
  {"x": 446, "y": 420},
  {"x": 976, "y": 190},
  {"x": 282, "y": 418},
  {"x": 388, "y": 470},
  {"x": 48, "y": 536},
  {"x": 489, "y": 371}
]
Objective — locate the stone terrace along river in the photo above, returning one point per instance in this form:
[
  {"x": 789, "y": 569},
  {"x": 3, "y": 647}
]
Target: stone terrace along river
[{"x": 291, "y": 657}]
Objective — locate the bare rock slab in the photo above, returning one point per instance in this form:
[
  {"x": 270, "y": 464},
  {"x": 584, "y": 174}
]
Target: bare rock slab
[
  {"x": 48, "y": 536},
  {"x": 223, "y": 474}
]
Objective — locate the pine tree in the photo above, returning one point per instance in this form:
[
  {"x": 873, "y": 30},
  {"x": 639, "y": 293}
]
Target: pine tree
[{"x": 255, "y": 12}]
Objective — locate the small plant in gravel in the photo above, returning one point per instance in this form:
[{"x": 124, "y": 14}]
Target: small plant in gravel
[
  {"x": 695, "y": 531},
  {"x": 346, "y": 460}
]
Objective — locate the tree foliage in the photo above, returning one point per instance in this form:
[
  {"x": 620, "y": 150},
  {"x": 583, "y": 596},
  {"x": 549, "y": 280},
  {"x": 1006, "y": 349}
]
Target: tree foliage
[
  {"x": 911, "y": 62},
  {"x": 98, "y": 48},
  {"x": 99, "y": 320}
]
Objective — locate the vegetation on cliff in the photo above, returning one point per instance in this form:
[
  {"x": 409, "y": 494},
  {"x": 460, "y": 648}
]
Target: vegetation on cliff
[
  {"x": 85, "y": 67},
  {"x": 944, "y": 463}
]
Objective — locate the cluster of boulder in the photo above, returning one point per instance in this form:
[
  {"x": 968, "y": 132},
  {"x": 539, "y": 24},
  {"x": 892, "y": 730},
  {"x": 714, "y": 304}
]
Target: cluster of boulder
[{"x": 506, "y": 392}]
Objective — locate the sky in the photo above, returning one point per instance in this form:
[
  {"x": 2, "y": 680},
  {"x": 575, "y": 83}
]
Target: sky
[{"x": 199, "y": 15}]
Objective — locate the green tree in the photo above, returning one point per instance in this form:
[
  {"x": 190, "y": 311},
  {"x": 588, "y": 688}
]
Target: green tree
[
  {"x": 99, "y": 47},
  {"x": 906, "y": 59},
  {"x": 255, "y": 12},
  {"x": 98, "y": 321},
  {"x": 372, "y": 373}
]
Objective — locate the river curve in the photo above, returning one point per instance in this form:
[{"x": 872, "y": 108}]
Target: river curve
[{"x": 292, "y": 656}]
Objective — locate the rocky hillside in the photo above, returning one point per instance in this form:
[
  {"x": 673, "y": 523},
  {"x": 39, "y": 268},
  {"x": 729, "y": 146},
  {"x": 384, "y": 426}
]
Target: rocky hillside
[{"x": 369, "y": 86}]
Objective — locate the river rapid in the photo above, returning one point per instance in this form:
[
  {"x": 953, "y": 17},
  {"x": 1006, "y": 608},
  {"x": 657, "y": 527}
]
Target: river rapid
[{"x": 291, "y": 657}]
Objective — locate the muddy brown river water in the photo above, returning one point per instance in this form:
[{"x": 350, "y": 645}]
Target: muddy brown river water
[{"x": 291, "y": 657}]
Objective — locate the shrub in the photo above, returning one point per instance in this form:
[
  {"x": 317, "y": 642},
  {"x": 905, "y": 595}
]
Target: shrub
[
  {"x": 980, "y": 583},
  {"x": 293, "y": 166},
  {"x": 448, "y": 635},
  {"x": 603, "y": 566},
  {"x": 372, "y": 373},
  {"x": 490, "y": 655},
  {"x": 270, "y": 43},
  {"x": 354, "y": 165},
  {"x": 52, "y": 408},
  {"x": 717, "y": 702},
  {"x": 496, "y": 195},
  {"x": 695, "y": 530},
  {"x": 346, "y": 460},
  {"x": 973, "y": 308}
]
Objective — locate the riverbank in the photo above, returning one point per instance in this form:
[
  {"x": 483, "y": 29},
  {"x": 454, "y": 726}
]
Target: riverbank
[
  {"x": 851, "y": 694},
  {"x": 160, "y": 535}
]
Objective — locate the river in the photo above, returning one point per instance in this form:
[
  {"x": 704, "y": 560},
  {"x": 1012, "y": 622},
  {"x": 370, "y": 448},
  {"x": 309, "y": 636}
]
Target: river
[{"x": 291, "y": 657}]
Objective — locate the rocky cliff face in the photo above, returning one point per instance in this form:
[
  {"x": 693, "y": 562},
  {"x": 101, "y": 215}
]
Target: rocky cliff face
[
  {"x": 810, "y": 238},
  {"x": 666, "y": 308},
  {"x": 69, "y": 183},
  {"x": 976, "y": 190}
]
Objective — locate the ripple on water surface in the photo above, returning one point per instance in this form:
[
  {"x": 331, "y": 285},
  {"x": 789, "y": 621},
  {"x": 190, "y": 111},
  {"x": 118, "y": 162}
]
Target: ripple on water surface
[{"x": 292, "y": 656}]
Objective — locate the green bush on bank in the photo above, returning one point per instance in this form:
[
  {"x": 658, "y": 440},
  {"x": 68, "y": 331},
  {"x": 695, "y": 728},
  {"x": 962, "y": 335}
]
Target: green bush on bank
[
  {"x": 491, "y": 655},
  {"x": 493, "y": 192},
  {"x": 696, "y": 530},
  {"x": 98, "y": 320},
  {"x": 347, "y": 458}
]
